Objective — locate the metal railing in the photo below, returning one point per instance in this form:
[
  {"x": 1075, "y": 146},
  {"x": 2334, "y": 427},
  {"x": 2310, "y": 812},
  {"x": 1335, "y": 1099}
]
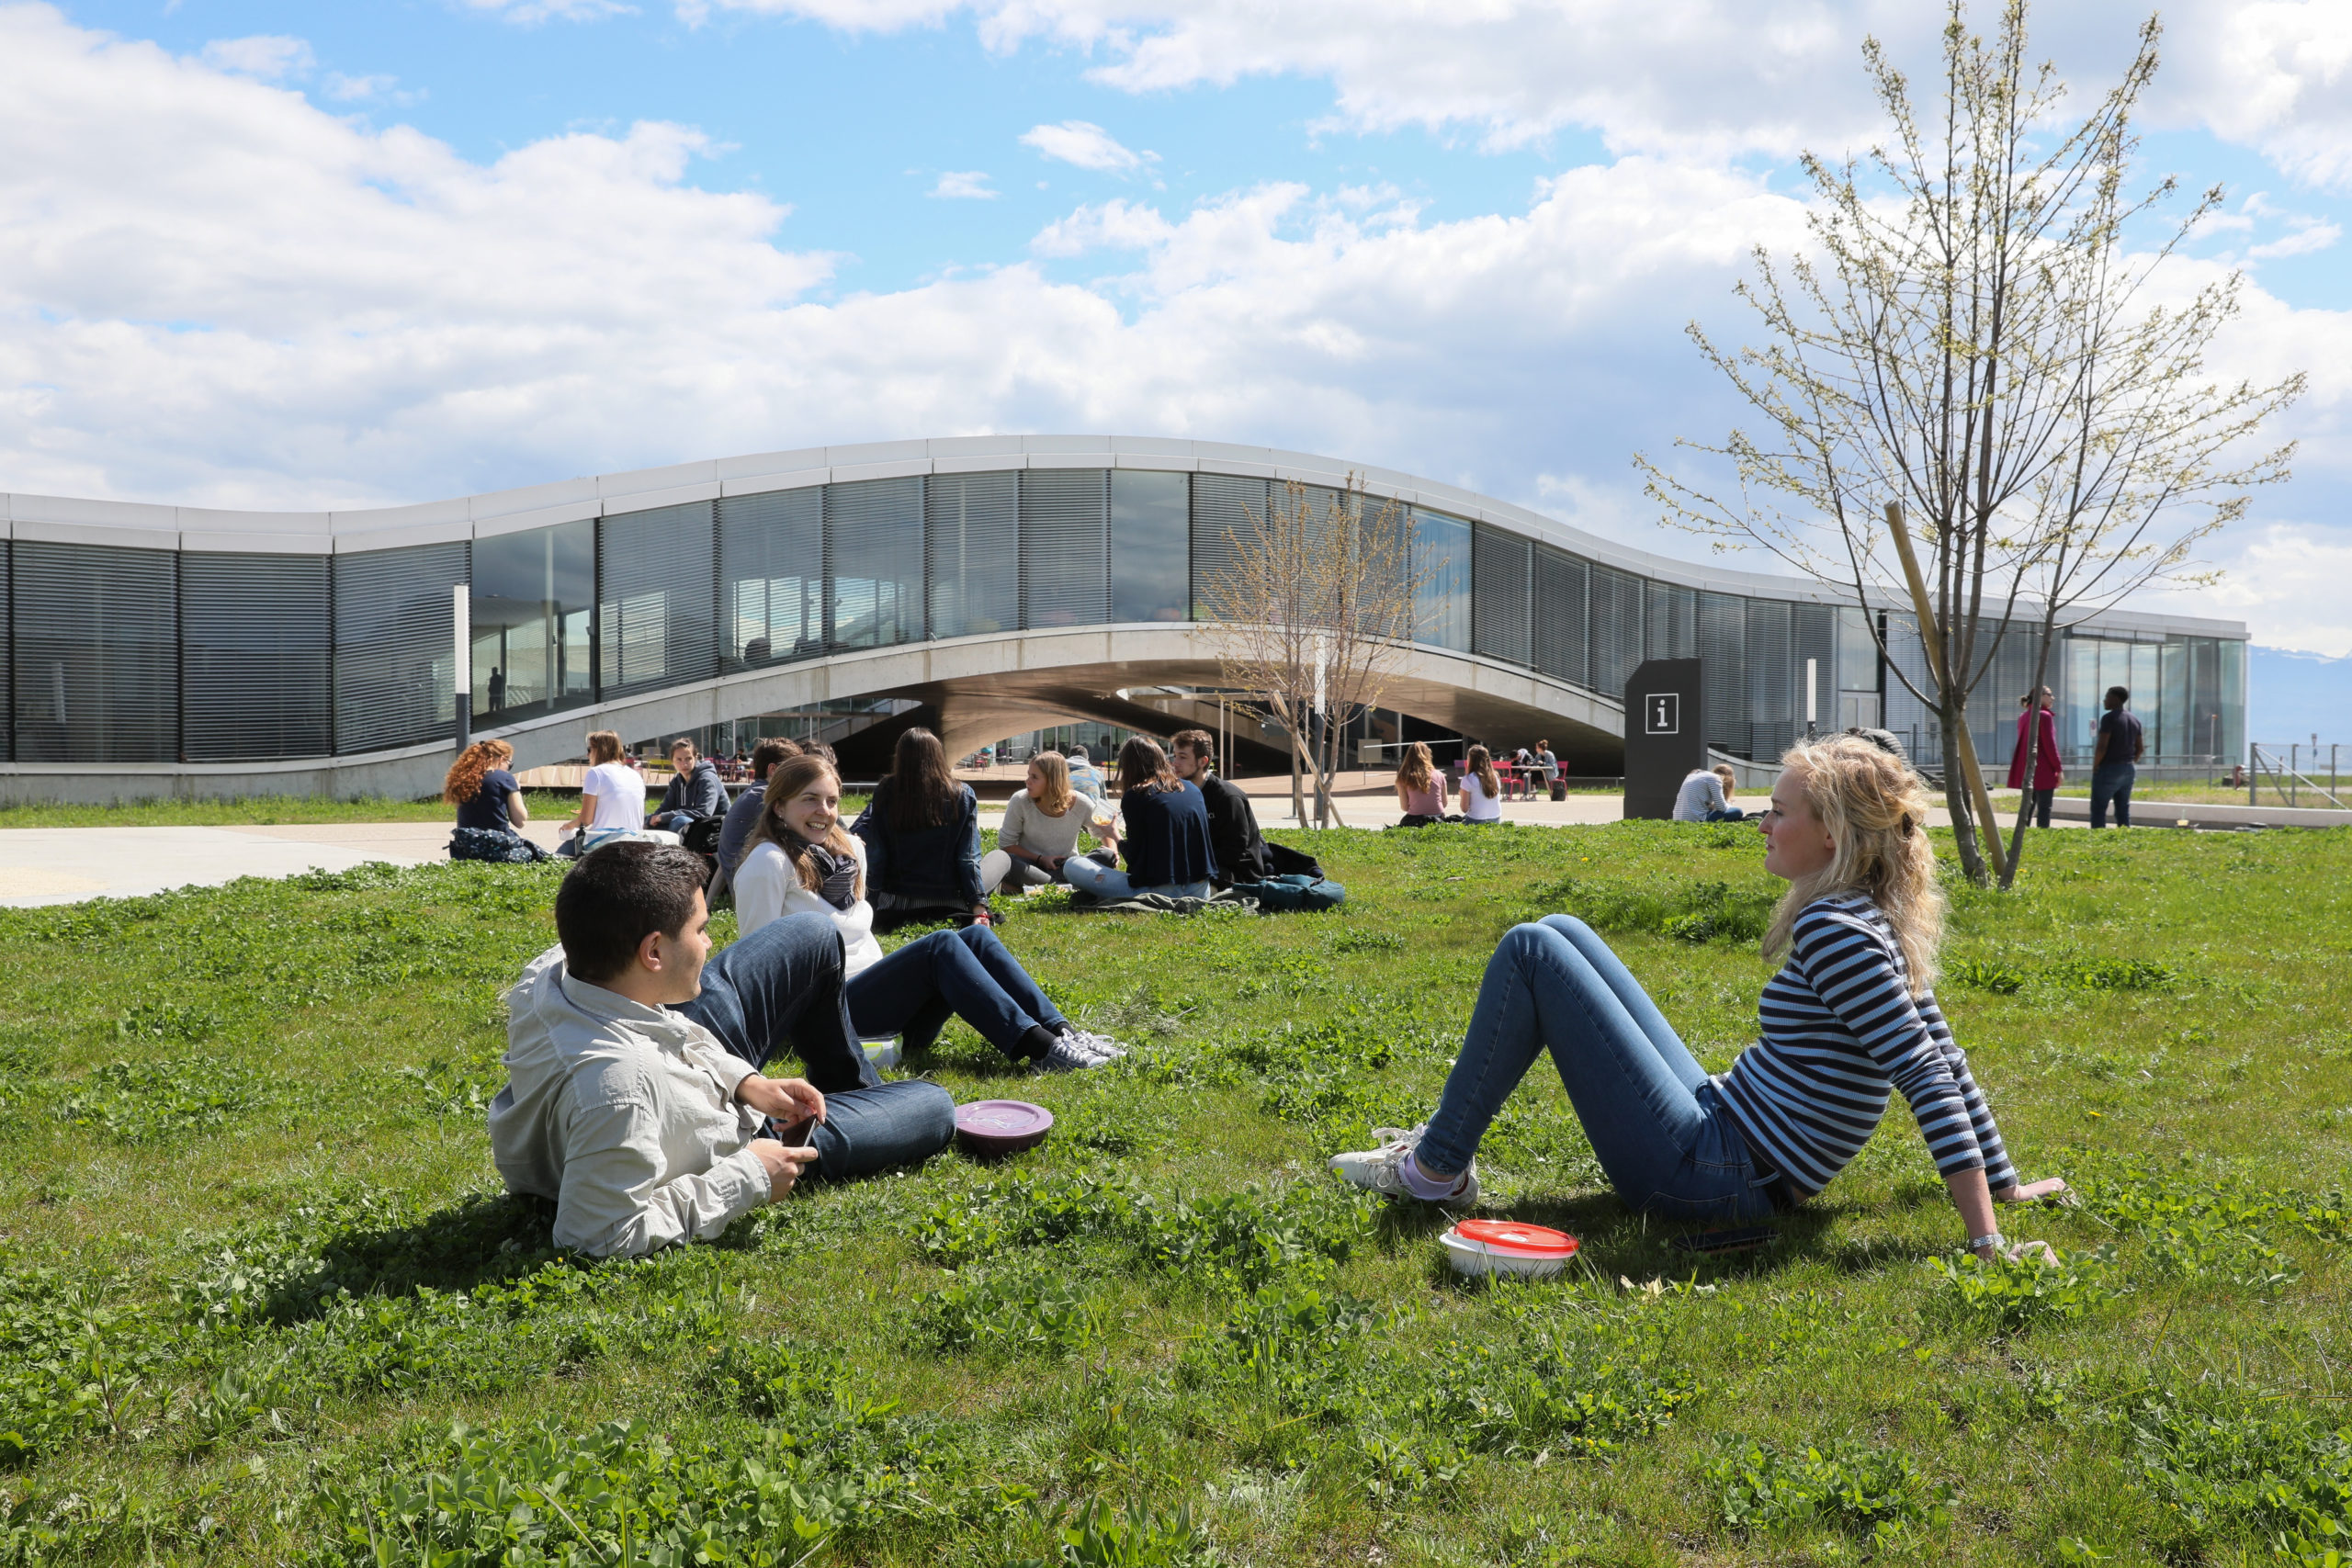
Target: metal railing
[{"x": 2284, "y": 772}]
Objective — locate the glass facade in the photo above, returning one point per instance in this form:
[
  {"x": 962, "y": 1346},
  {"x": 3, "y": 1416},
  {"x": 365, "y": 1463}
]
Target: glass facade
[
  {"x": 533, "y": 593},
  {"x": 113, "y": 654}
]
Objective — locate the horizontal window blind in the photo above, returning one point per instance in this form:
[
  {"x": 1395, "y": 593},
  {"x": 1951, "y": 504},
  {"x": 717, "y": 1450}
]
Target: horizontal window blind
[
  {"x": 874, "y": 563},
  {"x": 1227, "y": 512},
  {"x": 7, "y": 733},
  {"x": 1560, "y": 582},
  {"x": 1065, "y": 547},
  {"x": 395, "y": 655},
  {"x": 96, "y": 634},
  {"x": 972, "y": 550},
  {"x": 1616, "y": 629},
  {"x": 1670, "y": 629},
  {"x": 1499, "y": 614},
  {"x": 656, "y": 611},
  {"x": 255, "y": 657},
  {"x": 1151, "y": 571},
  {"x": 771, "y": 577}
]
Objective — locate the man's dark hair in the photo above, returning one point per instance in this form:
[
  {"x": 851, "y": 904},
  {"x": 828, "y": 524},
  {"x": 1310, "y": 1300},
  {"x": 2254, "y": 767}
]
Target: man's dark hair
[
  {"x": 769, "y": 753},
  {"x": 1199, "y": 742},
  {"x": 2117, "y": 695},
  {"x": 618, "y": 895}
]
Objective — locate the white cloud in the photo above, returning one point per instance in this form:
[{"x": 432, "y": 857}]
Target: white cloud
[
  {"x": 966, "y": 184},
  {"x": 266, "y": 57},
  {"x": 367, "y": 89},
  {"x": 214, "y": 292},
  {"x": 2307, "y": 238},
  {"x": 1086, "y": 144}
]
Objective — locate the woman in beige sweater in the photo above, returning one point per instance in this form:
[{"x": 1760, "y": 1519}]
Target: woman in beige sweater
[{"x": 1042, "y": 828}]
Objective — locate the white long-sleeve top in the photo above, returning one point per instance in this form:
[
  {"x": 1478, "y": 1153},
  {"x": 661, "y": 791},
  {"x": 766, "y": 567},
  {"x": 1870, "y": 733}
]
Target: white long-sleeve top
[
  {"x": 625, "y": 1114},
  {"x": 768, "y": 888}
]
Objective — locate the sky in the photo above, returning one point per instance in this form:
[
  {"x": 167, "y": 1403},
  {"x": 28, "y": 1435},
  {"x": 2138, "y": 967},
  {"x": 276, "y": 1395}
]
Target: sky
[{"x": 257, "y": 254}]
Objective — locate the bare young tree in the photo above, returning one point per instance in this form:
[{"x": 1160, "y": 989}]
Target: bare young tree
[
  {"x": 1313, "y": 613},
  {"x": 1972, "y": 343}
]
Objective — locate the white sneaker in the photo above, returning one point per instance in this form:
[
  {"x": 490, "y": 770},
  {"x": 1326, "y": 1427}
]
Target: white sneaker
[
  {"x": 1101, "y": 1047},
  {"x": 1064, "y": 1057},
  {"x": 1381, "y": 1170}
]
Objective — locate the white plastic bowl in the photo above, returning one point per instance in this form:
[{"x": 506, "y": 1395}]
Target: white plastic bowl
[{"x": 1476, "y": 1257}]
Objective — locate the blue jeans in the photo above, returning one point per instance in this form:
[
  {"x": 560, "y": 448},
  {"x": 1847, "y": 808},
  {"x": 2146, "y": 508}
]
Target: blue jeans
[
  {"x": 782, "y": 984},
  {"x": 963, "y": 974},
  {"x": 2112, "y": 784},
  {"x": 1090, "y": 875},
  {"x": 1654, "y": 1120}
]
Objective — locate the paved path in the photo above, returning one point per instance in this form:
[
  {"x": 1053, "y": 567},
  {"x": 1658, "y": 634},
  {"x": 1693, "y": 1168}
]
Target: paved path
[{"x": 61, "y": 865}]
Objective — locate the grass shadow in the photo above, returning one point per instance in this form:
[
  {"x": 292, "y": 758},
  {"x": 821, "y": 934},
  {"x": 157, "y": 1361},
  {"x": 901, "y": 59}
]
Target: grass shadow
[{"x": 479, "y": 1239}]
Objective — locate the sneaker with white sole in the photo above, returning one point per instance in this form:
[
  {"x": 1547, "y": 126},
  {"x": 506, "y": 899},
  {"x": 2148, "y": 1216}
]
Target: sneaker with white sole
[
  {"x": 1062, "y": 1056},
  {"x": 1101, "y": 1047},
  {"x": 1381, "y": 1170}
]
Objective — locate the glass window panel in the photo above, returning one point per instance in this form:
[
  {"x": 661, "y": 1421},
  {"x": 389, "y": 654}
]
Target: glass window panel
[
  {"x": 394, "y": 665},
  {"x": 1857, "y": 652},
  {"x": 1499, "y": 617},
  {"x": 1065, "y": 547},
  {"x": 972, "y": 536},
  {"x": 1723, "y": 670},
  {"x": 874, "y": 563},
  {"x": 1771, "y": 676},
  {"x": 1151, "y": 548},
  {"x": 1672, "y": 631},
  {"x": 656, "y": 617},
  {"x": 96, "y": 653},
  {"x": 772, "y": 577},
  {"x": 1442, "y": 557},
  {"x": 2232, "y": 707},
  {"x": 2169, "y": 730},
  {"x": 1226, "y": 512},
  {"x": 533, "y": 598},
  {"x": 2143, "y": 687},
  {"x": 254, "y": 657},
  {"x": 2078, "y": 719},
  {"x": 1616, "y": 629},
  {"x": 1560, "y": 615}
]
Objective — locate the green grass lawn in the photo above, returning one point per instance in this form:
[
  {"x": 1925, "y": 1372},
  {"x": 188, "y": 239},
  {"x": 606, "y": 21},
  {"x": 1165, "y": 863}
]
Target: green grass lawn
[
  {"x": 261, "y": 1298},
  {"x": 266, "y": 810}
]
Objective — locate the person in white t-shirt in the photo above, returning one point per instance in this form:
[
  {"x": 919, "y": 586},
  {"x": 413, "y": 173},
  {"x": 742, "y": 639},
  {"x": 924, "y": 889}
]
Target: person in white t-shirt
[
  {"x": 1482, "y": 790},
  {"x": 612, "y": 796}
]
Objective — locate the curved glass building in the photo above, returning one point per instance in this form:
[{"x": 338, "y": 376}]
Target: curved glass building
[{"x": 990, "y": 581}]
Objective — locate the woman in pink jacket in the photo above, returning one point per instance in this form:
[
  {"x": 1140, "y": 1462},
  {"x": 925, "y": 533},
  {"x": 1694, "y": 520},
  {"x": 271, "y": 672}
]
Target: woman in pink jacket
[{"x": 2048, "y": 772}]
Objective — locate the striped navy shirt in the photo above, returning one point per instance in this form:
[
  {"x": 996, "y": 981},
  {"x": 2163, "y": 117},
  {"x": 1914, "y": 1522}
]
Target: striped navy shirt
[{"x": 1840, "y": 1028}]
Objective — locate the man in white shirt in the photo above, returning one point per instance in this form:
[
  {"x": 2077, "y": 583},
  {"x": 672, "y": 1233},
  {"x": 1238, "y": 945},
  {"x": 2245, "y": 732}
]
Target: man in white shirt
[{"x": 635, "y": 1095}]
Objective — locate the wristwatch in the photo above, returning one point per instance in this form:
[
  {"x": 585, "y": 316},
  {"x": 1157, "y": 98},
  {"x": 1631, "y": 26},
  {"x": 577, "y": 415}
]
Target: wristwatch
[{"x": 1997, "y": 1241}]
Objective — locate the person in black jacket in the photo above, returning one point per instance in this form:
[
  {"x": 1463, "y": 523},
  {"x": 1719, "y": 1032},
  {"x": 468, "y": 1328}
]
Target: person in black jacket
[
  {"x": 1166, "y": 841},
  {"x": 923, "y": 840},
  {"x": 696, "y": 793},
  {"x": 1234, "y": 839}
]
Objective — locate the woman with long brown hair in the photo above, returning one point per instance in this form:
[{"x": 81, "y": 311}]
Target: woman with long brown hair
[
  {"x": 922, "y": 839},
  {"x": 802, "y": 863},
  {"x": 1419, "y": 794},
  {"x": 489, "y": 799},
  {"x": 1482, "y": 787},
  {"x": 1166, "y": 844},
  {"x": 1850, "y": 1017}
]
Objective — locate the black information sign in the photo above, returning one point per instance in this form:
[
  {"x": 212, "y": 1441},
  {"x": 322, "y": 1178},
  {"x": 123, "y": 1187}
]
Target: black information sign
[{"x": 1664, "y": 735}]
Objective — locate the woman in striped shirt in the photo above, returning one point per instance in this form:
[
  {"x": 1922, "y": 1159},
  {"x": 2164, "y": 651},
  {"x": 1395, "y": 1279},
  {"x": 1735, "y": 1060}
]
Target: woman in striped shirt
[{"x": 1850, "y": 1016}]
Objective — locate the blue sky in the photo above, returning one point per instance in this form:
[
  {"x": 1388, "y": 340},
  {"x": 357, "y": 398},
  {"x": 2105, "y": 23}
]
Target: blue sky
[{"x": 260, "y": 254}]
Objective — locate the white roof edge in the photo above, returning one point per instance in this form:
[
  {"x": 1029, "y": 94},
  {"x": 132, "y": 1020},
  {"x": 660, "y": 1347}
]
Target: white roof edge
[{"x": 501, "y": 512}]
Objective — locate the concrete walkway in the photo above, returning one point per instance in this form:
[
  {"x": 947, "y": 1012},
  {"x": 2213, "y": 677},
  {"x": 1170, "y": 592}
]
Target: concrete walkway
[{"x": 63, "y": 866}]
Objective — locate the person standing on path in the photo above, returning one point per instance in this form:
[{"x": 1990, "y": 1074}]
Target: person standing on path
[
  {"x": 2048, "y": 772},
  {"x": 2115, "y": 758}
]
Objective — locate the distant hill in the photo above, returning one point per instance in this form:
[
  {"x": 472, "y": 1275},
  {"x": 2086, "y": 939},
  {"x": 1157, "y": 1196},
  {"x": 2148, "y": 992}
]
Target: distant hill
[{"x": 2291, "y": 696}]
